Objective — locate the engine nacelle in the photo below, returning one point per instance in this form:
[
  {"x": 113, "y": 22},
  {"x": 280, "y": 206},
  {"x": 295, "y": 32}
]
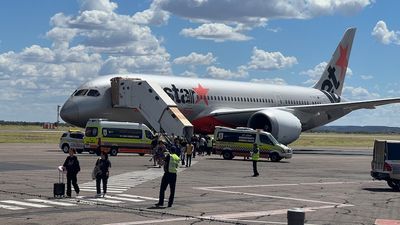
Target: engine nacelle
[{"x": 284, "y": 126}]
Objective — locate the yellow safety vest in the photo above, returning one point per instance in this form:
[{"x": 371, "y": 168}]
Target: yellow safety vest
[
  {"x": 255, "y": 155},
  {"x": 173, "y": 163}
]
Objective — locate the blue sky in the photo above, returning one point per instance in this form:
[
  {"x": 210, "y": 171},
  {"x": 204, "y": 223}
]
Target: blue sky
[{"x": 47, "y": 50}]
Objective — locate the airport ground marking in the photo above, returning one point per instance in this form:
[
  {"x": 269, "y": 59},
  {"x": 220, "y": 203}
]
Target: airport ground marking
[
  {"x": 35, "y": 205},
  {"x": 10, "y": 207},
  {"x": 231, "y": 217}
]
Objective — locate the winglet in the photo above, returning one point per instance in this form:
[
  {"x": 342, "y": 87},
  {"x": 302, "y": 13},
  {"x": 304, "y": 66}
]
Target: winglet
[{"x": 332, "y": 78}]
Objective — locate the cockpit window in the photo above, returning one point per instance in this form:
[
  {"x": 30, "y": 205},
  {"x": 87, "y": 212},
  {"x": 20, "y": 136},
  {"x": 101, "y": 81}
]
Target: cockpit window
[
  {"x": 81, "y": 92},
  {"x": 93, "y": 93}
]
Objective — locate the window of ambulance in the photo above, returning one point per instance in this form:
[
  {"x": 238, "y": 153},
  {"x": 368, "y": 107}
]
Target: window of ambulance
[
  {"x": 122, "y": 133},
  {"x": 91, "y": 131},
  {"x": 266, "y": 140}
]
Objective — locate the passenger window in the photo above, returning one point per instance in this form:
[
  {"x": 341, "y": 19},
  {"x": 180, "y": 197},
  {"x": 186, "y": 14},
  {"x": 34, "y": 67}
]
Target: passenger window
[
  {"x": 265, "y": 139},
  {"x": 81, "y": 92},
  {"x": 93, "y": 93},
  {"x": 91, "y": 131}
]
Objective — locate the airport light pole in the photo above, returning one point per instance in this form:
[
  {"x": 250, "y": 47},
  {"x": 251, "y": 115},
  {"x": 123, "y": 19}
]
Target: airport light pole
[{"x": 58, "y": 114}]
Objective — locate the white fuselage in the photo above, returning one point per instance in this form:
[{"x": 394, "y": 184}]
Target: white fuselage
[{"x": 195, "y": 97}]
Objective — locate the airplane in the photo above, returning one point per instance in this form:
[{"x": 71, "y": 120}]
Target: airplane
[{"x": 284, "y": 111}]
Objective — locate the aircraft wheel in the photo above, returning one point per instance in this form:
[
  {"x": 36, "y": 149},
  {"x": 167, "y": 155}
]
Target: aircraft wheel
[{"x": 114, "y": 151}]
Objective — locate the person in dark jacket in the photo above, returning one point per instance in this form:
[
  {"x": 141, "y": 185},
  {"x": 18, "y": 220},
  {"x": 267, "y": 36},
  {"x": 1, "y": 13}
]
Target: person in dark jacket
[
  {"x": 71, "y": 165},
  {"x": 104, "y": 165}
]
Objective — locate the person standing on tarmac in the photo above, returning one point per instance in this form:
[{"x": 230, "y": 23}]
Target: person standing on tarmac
[
  {"x": 104, "y": 165},
  {"x": 255, "y": 155},
  {"x": 169, "y": 178},
  {"x": 71, "y": 165},
  {"x": 189, "y": 152}
]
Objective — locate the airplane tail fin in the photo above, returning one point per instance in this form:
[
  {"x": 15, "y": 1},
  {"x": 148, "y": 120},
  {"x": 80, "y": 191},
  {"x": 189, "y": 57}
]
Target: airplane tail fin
[{"x": 332, "y": 79}]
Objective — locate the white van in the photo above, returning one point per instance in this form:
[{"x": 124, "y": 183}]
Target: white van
[
  {"x": 231, "y": 142},
  {"x": 117, "y": 137}
]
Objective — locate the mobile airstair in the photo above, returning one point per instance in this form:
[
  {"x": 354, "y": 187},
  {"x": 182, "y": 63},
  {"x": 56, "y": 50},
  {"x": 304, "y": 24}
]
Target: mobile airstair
[{"x": 160, "y": 111}]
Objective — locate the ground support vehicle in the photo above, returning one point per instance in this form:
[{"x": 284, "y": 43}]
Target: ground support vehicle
[
  {"x": 231, "y": 142},
  {"x": 72, "y": 139},
  {"x": 117, "y": 137},
  {"x": 385, "y": 163}
]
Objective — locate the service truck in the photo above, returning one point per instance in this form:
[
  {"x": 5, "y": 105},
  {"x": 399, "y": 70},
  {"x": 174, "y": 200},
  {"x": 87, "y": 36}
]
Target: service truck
[{"x": 385, "y": 164}]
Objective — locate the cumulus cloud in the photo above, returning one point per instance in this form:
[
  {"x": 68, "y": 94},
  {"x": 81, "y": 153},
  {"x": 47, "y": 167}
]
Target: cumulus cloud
[
  {"x": 217, "y": 32},
  {"x": 384, "y": 35},
  {"x": 196, "y": 59},
  {"x": 277, "y": 80},
  {"x": 263, "y": 60},
  {"x": 315, "y": 73},
  {"x": 358, "y": 93},
  {"x": 96, "y": 40},
  {"x": 152, "y": 16},
  {"x": 366, "y": 77},
  {"x": 220, "y": 73},
  {"x": 257, "y": 12}
]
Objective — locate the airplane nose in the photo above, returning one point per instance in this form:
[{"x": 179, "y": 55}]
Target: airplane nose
[{"x": 69, "y": 112}]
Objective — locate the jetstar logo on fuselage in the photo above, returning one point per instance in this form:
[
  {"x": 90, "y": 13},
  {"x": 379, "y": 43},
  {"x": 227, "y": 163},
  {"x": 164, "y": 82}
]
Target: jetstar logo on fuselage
[{"x": 187, "y": 96}]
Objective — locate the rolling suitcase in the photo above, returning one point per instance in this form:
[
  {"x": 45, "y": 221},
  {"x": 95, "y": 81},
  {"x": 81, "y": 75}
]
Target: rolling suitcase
[{"x": 59, "y": 188}]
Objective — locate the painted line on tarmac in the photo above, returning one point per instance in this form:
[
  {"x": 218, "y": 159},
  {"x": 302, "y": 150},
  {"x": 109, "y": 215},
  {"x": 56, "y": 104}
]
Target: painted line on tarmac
[
  {"x": 281, "y": 185},
  {"x": 386, "y": 222},
  {"x": 216, "y": 189},
  {"x": 123, "y": 182},
  {"x": 234, "y": 217}
]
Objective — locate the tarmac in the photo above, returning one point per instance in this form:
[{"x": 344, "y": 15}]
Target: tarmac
[{"x": 330, "y": 186}]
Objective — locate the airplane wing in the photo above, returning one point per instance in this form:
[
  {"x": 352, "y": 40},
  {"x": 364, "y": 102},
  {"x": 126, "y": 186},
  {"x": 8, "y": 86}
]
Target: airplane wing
[
  {"x": 302, "y": 112},
  {"x": 369, "y": 104}
]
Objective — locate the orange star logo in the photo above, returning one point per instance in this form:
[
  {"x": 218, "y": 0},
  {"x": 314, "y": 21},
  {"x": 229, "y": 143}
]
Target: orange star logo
[
  {"x": 342, "y": 61},
  {"x": 201, "y": 94}
]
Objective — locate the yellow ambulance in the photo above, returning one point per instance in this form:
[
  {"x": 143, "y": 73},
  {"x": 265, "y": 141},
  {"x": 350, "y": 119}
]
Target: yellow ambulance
[
  {"x": 230, "y": 142},
  {"x": 117, "y": 137}
]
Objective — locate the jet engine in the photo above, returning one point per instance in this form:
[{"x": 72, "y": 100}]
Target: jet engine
[{"x": 284, "y": 126}]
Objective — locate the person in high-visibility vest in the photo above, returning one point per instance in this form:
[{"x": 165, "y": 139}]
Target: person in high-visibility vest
[
  {"x": 255, "y": 155},
  {"x": 169, "y": 178}
]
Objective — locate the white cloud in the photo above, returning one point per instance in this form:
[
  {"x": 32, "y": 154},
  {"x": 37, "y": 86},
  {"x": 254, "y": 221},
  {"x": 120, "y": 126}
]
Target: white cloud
[
  {"x": 196, "y": 59},
  {"x": 95, "y": 41},
  {"x": 263, "y": 60},
  {"x": 256, "y": 12},
  {"x": 366, "y": 77},
  {"x": 315, "y": 73},
  {"x": 221, "y": 73},
  {"x": 358, "y": 93},
  {"x": 217, "y": 32},
  {"x": 98, "y": 5},
  {"x": 278, "y": 81},
  {"x": 152, "y": 16},
  {"x": 384, "y": 35},
  {"x": 189, "y": 74}
]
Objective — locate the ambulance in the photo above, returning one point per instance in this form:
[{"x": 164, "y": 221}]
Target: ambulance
[
  {"x": 230, "y": 142},
  {"x": 117, "y": 137}
]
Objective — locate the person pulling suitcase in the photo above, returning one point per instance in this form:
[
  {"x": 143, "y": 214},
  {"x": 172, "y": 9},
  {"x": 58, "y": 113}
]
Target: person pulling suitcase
[{"x": 71, "y": 165}]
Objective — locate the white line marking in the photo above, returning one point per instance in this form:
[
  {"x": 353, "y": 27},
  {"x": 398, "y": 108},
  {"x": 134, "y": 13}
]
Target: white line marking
[
  {"x": 90, "y": 190},
  {"x": 229, "y": 217},
  {"x": 270, "y": 196},
  {"x": 124, "y": 199},
  {"x": 26, "y": 204},
  {"x": 51, "y": 202},
  {"x": 108, "y": 188},
  {"x": 137, "y": 196},
  {"x": 104, "y": 200},
  {"x": 280, "y": 185},
  {"x": 151, "y": 221},
  {"x": 10, "y": 207}
]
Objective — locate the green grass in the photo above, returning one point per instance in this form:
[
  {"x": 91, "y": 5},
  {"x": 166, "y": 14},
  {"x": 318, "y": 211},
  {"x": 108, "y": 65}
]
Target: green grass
[
  {"x": 30, "y": 134},
  {"x": 36, "y": 134},
  {"x": 341, "y": 140}
]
